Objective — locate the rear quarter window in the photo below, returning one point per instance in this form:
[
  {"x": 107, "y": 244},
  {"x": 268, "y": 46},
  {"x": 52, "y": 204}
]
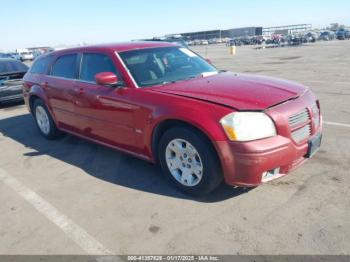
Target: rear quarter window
[
  {"x": 65, "y": 66},
  {"x": 41, "y": 65}
]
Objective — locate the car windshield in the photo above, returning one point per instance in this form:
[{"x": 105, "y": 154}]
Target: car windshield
[{"x": 157, "y": 66}]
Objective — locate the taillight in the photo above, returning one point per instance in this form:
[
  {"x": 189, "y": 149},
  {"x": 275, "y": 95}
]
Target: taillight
[{"x": 27, "y": 86}]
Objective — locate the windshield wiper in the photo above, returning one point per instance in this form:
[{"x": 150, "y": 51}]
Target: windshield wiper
[{"x": 204, "y": 74}]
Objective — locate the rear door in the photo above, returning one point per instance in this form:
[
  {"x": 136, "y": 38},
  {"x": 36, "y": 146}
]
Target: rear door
[
  {"x": 107, "y": 112},
  {"x": 59, "y": 86}
]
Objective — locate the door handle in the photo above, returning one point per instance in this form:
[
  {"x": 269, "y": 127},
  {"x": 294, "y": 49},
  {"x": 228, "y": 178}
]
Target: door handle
[
  {"x": 79, "y": 90},
  {"x": 45, "y": 84}
]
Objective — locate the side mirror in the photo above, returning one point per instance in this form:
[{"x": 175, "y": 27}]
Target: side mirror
[
  {"x": 106, "y": 79},
  {"x": 209, "y": 61}
]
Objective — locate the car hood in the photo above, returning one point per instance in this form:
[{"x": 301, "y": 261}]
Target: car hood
[{"x": 239, "y": 91}]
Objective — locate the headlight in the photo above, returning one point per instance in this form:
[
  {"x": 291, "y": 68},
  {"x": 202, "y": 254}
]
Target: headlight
[{"x": 247, "y": 126}]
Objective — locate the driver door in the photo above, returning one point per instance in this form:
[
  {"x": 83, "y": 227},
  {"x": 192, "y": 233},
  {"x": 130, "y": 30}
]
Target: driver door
[{"x": 107, "y": 113}]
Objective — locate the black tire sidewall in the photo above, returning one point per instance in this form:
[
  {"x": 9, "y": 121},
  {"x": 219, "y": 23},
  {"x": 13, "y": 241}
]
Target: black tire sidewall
[
  {"x": 53, "y": 129},
  {"x": 212, "y": 175}
]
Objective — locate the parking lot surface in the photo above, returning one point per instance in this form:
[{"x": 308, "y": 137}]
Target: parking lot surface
[{"x": 70, "y": 196}]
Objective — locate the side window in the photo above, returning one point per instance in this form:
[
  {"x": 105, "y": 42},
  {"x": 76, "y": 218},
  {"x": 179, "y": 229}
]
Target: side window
[
  {"x": 93, "y": 64},
  {"x": 41, "y": 65},
  {"x": 65, "y": 66}
]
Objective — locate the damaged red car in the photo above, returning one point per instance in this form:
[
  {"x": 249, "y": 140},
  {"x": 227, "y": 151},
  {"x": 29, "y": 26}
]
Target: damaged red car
[{"x": 164, "y": 103}]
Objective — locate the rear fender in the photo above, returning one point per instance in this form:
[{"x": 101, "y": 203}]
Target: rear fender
[{"x": 37, "y": 91}]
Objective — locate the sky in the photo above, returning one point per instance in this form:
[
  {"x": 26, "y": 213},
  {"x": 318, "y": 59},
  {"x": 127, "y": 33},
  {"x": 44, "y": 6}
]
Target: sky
[{"x": 27, "y": 23}]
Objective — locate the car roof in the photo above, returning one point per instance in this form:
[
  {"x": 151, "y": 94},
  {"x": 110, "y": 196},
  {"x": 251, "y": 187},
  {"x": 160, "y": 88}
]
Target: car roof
[{"x": 118, "y": 47}]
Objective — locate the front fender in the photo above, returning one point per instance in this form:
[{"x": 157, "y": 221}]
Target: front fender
[{"x": 201, "y": 115}]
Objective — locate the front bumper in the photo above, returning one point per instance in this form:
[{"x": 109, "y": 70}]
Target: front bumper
[
  {"x": 244, "y": 163},
  {"x": 10, "y": 93},
  {"x": 18, "y": 97}
]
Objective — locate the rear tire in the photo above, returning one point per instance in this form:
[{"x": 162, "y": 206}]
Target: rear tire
[
  {"x": 44, "y": 121},
  {"x": 189, "y": 161}
]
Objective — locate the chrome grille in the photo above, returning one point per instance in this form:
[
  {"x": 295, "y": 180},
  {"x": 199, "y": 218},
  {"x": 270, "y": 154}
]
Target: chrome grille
[
  {"x": 299, "y": 118},
  {"x": 300, "y": 125},
  {"x": 302, "y": 133}
]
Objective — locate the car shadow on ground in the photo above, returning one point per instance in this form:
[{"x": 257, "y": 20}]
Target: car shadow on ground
[{"x": 101, "y": 162}]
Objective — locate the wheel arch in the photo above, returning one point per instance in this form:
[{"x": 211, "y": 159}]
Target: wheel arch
[
  {"x": 32, "y": 99},
  {"x": 167, "y": 124},
  {"x": 36, "y": 92}
]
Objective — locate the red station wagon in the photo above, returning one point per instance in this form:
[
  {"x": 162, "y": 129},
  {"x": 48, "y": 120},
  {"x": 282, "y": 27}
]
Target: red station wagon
[{"x": 164, "y": 103}]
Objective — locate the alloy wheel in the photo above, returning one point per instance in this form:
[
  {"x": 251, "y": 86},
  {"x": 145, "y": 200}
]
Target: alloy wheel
[
  {"x": 184, "y": 162},
  {"x": 42, "y": 119}
]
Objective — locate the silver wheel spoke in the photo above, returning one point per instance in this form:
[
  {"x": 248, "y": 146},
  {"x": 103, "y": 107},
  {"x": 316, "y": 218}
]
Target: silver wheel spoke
[
  {"x": 174, "y": 163},
  {"x": 197, "y": 170},
  {"x": 186, "y": 178},
  {"x": 190, "y": 179},
  {"x": 176, "y": 147}
]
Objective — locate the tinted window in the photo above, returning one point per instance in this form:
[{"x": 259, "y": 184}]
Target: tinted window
[
  {"x": 65, "y": 66},
  {"x": 9, "y": 66},
  {"x": 41, "y": 65},
  {"x": 93, "y": 64}
]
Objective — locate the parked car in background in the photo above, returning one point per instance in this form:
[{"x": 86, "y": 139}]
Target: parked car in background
[
  {"x": 37, "y": 53},
  {"x": 15, "y": 56},
  {"x": 5, "y": 55},
  {"x": 163, "y": 103},
  {"x": 294, "y": 39},
  {"x": 11, "y": 74},
  {"x": 347, "y": 34},
  {"x": 342, "y": 34},
  {"x": 276, "y": 39},
  {"x": 327, "y": 35},
  {"x": 10, "y": 55},
  {"x": 310, "y": 37},
  {"x": 25, "y": 54},
  {"x": 197, "y": 42}
]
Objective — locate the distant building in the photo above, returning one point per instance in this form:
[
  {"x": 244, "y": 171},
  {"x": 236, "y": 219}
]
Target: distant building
[
  {"x": 40, "y": 49},
  {"x": 243, "y": 32},
  {"x": 218, "y": 33},
  {"x": 203, "y": 35},
  {"x": 287, "y": 29}
]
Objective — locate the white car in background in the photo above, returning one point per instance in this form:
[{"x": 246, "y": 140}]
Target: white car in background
[{"x": 25, "y": 54}]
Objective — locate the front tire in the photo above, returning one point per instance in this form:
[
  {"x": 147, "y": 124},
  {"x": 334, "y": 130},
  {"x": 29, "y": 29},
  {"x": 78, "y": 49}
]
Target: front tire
[
  {"x": 44, "y": 121},
  {"x": 189, "y": 161}
]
